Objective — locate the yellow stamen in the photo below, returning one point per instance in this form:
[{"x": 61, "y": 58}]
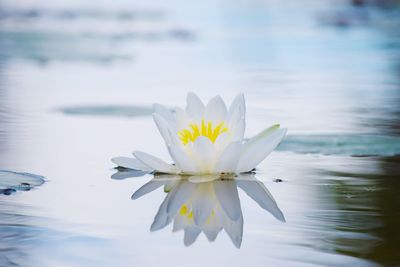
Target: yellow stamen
[
  {"x": 204, "y": 129},
  {"x": 184, "y": 209}
]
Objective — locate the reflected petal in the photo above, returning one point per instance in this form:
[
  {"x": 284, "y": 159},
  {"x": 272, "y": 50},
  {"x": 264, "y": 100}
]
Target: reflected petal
[
  {"x": 180, "y": 222},
  {"x": 234, "y": 229},
  {"x": 147, "y": 188},
  {"x": 206, "y": 206},
  {"x": 162, "y": 218},
  {"x": 228, "y": 197},
  {"x": 203, "y": 203},
  {"x": 212, "y": 228},
  {"x": 191, "y": 234},
  {"x": 260, "y": 194},
  {"x": 179, "y": 195},
  {"x": 120, "y": 175}
]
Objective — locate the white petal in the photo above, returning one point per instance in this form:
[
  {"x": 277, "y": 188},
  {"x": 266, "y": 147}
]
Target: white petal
[
  {"x": 237, "y": 127},
  {"x": 195, "y": 107},
  {"x": 216, "y": 110},
  {"x": 238, "y": 103},
  {"x": 181, "y": 159},
  {"x": 234, "y": 228},
  {"x": 212, "y": 228},
  {"x": 191, "y": 234},
  {"x": 204, "y": 154},
  {"x": 222, "y": 141},
  {"x": 214, "y": 224},
  {"x": 130, "y": 163},
  {"x": 147, "y": 188},
  {"x": 228, "y": 197},
  {"x": 202, "y": 204},
  {"x": 179, "y": 195},
  {"x": 174, "y": 138},
  {"x": 165, "y": 113},
  {"x": 163, "y": 128},
  {"x": 182, "y": 120},
  {"x": 260, "y": 194},
  {"x": 180, "y": 222},
  {"x": 155, "y": 163},
  {"x": 236, "y": 118},
  {"x": 259, "y": 147},
  {"x": 162, "y": 218},
  {"x": 229, "y": 158}
]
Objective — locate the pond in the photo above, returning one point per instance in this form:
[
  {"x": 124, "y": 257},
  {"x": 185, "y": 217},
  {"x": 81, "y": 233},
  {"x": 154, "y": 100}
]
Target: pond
[{"x": 77, "y": 84}]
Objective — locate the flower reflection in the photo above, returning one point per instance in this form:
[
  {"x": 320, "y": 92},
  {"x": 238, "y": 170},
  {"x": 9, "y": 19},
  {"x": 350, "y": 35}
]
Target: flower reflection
[{"x": 207, "y": 204}]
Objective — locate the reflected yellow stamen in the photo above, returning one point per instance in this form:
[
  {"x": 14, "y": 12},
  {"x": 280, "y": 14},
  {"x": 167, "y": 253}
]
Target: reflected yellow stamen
[
  {"x": 204, "y": 129},
  {"x": 184, "y": 211}
]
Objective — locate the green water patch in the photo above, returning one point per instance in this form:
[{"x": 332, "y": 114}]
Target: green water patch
[
  {"x": 358, "y": 145},
  {"x": 107, "y": 110},
  {"x": 11, "y": 182}
]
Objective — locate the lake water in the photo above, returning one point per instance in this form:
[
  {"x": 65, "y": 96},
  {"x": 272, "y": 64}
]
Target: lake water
[{"x": 77, "y": 81}]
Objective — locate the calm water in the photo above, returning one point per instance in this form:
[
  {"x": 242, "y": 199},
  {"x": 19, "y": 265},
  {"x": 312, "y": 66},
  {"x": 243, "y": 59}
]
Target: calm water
[{"x": 76, "y": 86}]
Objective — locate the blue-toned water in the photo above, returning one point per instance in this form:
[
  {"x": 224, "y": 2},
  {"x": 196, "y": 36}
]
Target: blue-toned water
[{"x": 77, "y": 82}]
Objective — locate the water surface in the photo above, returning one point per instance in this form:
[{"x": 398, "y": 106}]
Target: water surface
[{"x": 76, "y": 84}]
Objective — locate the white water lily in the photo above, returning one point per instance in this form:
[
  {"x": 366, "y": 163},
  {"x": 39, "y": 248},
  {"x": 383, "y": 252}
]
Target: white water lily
[
  {"x": 207, "y": 204},
  {"x": 206, "y": 139}
]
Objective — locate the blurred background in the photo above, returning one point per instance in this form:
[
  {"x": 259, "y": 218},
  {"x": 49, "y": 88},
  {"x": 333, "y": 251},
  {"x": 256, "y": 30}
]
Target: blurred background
[{"x": 77, "y": 81}]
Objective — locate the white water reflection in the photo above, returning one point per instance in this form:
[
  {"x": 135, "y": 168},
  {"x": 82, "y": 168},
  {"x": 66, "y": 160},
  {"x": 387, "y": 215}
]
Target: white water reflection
[{"x": 205, "y": 204}]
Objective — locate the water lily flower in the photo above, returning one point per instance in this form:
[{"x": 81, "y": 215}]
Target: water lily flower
[
  {"x": 206, "y": 139},
  {"x": 206, "y": 204}
]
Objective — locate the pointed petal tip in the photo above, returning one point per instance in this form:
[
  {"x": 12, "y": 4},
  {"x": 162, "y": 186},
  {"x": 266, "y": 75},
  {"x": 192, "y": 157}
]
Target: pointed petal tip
[
  {"x": 279, "y": 215},
  {"x": 130, "y": 163},
  {"x": 155, "y": 163},
  {"x": 191, "y": 94},
  {"x": 238, "y": 244},
  {"x": 114, "y": 160},
  {"x": 117, "y": 160},
  {"x": 240, "y": 96},
  {"x": 157, "y": 108}
]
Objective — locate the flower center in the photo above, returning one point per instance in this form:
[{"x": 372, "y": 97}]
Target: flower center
[{"x": 204, "y": 129}]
